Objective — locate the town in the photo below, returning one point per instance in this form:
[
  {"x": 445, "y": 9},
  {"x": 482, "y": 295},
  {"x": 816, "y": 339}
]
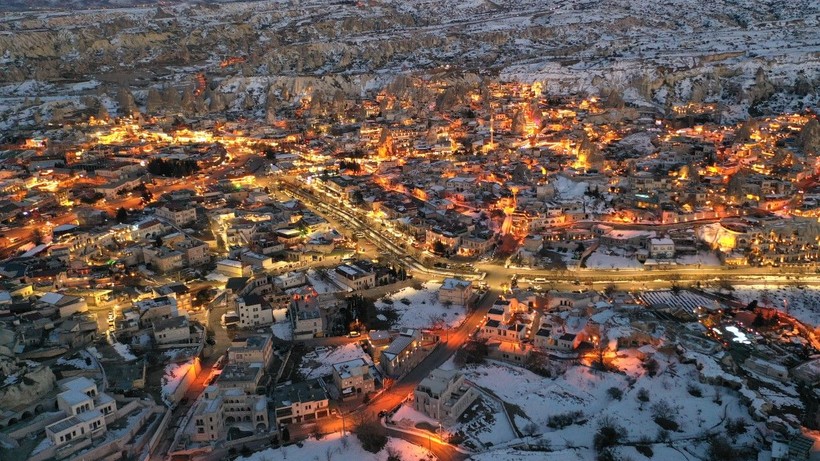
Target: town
[{"x": 429, "y": 271}]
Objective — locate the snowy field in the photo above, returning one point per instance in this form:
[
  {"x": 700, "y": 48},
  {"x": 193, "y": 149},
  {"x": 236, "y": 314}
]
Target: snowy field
[
  {"x": 703, "y": 259},
  {"x": 174, "y": 373},
  {"x": 586, "y": 392},
  {"x": 600, "y": 260},
  {"x": 318, "y": 363},
  {"x": 421, "y": 308},
  {"x": 122, "y": 349},
  {"x": 801, "y": 303},
  {"x": 321, "y": 285},
  {"x": 282, "y": 330},
  {"x": 334, "y": 448}
]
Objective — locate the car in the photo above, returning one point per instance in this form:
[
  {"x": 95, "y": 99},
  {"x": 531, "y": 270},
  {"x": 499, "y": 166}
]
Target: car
[{"x": 353, "y": 334}]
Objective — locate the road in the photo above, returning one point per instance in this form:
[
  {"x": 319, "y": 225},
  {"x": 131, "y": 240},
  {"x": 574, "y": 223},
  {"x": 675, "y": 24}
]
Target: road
[
  {"x": 222, "y": 342},
  {"x": 398, "y": 393},
  {"x": 496, "y": 274},
  {"x": 442, "y": 450}
]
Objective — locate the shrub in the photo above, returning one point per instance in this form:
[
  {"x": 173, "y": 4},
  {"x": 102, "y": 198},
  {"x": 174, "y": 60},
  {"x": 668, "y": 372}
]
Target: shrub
[
  {"x": 645, "y": 450},
  {"x": 608, "y": 435},
  {"x": 371, "y": 435},
  {"x": 643, "y": 395},
  {"x": 721, "y": 449},
  {"x": 563, "y": 420},
  {"x": 615, "y": 393},
  {"x": 651, "y": 367},
  {"x": 664, "y": 415},
  {"x": 666, "y": 423},
  {"x": 735, "y": 427},
  {"x": 662, "y": 409},
  {"x": 694, "y": 390},
  {"x": 393, "y": 455},
  {"x": 530, "y": 428}
]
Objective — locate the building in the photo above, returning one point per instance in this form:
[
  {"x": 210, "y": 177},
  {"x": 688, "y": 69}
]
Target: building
[
  {"x": 178, "y": 214},
  {"x": 299, "y": 402},
  {"x": 353, "y": 378},
  {"x": 86, "y": 410},
  {"x": 403, "y": 353},
  {"x": 443, "y": 395},
  {"x": 219, "y": 409},
  {"x": 455, "y": 292},
  {"x": 355, "y": 277},
  {"x": 65, "y": 305},
  {"x": 162, "y": 259},
  {"x": 232, "y": 268},
  {"x": 249, "y": 377},
  {"x": 661, "y": 248},
  {"x": 148, "y": 229},
  {"x": 252, "y": 349},
  {"x": 178, "y": 291},
  {"x": 252, "y": 312},
  {"x": 175, "y": 330},
  {"x": 159, "y": 308}
]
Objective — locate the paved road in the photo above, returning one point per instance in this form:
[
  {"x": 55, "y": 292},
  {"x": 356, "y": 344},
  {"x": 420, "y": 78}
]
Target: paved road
[
  {"x": 443, "y": 451},
  {"x": 403, "y": 388},
  {"x": 222, "y": 342}
]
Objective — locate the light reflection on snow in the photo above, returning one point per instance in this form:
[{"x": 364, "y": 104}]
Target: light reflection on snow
[{"x": 740, "y": 337}]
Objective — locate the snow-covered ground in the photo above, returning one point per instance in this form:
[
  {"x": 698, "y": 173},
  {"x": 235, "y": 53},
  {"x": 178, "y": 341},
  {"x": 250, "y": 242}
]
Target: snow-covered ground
[
  {"x": 421, "y": 308},
  {"x": 321, "y": 285},
  {"x": 174, "y": 372},
  {"x": 179, "y": 354},
  {"x": 704, "y": 259},
  {"x": 334, "y": 448},
  {"x": 282, "y": 330},
  {"x": 316, "y": 364},
  {"x": 535, "y": 399},
  {"x": 408, "y": 416},
  {"x": 802, "y": 303},
  {"x": 569, "y": 190},
  {"x": 600, "y": 260},
  {"x": 122, "y": 349},
  {"x": 78, "y": 363}
]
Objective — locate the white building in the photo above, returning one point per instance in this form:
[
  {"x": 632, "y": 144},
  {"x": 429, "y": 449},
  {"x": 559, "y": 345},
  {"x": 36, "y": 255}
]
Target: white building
[
  {"x": 253, "y": 349},
  {"x": 355, "y": 278},
  {"x": 661, "y": 248},
  {"x": 177, "y": 214},
  {"x": 456, "y": 292},
  {"x": 86, "y": 411},
  {"x": 353, "y": 377},
  {"x": 220, "y": 409},
  {"x": 251, "y": 311},
  {"x": 443, "y": 395},
  {"x": 175, "y": 330},
  {"x": 232, "y": 268}
]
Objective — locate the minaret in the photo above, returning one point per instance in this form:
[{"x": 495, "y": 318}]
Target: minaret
[{"x": 492, "y": 130}]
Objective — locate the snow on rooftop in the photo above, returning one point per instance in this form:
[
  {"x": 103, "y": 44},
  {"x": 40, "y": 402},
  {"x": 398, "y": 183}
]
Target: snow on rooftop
[
  {"x": 332, "y": 447},
  {"x": 322, "y": 363}
]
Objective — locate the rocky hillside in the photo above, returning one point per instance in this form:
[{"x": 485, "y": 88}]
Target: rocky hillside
[{"x": 763, "y": 55}]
